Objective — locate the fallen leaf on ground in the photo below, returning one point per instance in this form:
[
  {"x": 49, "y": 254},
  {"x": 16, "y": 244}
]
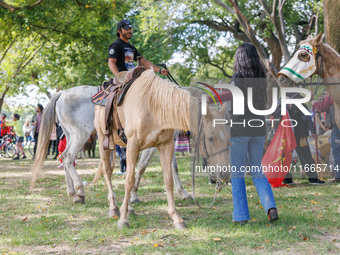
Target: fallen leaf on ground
[
  {"x": 156, "y": 245},
  {"x": 25, "y": 218},
  {"x": 217, "y": 239},
  {"x": 115, "y": 217},
  {"x": 305, "y": 238}
]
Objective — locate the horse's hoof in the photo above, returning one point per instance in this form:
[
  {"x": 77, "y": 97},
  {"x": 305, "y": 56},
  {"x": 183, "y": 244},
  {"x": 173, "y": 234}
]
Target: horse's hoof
[
  {"x": 180, "y": 226},
  {"x": 131, "y": 212},
  {"x": 123, "y": 224},
  {"x": 79, "y": 199},
  {"x": 136, "y": 201},
  {"x": 114, "y": 212},
  {"x": 188, "y": 198}
]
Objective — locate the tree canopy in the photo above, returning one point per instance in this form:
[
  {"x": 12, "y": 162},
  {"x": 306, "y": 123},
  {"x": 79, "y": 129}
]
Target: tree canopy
[{"x": 58, "y": 44}]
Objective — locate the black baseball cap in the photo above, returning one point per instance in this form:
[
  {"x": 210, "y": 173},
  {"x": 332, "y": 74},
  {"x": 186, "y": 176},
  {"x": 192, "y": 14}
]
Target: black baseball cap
[{"x": 124, "y": 24}]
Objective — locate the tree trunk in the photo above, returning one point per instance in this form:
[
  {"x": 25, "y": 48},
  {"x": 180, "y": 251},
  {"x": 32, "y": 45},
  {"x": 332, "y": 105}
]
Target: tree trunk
[
  {"x": 332, "y": 23},
  {"x": 2, "y": 98}
]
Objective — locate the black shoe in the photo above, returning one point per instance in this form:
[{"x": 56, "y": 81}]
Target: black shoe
[
  {"x": 316, "y": 182},
  {"x": 288, "y": 181},
  {"x": 242, "y": 222},
  {"x": 273, "y": 215},
  {"x": 16, "y": 158},
  {"x": 23, "y": 157}
]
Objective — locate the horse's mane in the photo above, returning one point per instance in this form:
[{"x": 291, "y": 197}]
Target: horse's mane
[
  {"x": 195, "y": 92},
  {"x": 169, "y": 103}
]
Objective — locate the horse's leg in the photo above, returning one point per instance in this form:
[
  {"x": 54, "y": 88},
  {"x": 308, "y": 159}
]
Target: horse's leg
[
  {"x": 107, "y": 172},
  {"x": 69, "y": 184},
  {"x": 166, "y": 153},
  {"x": 178, "y": 185},
  {"x": 72, "y": 147},
  {"x": 143, "y": 163},
  {"x": 132, "y": 152}
]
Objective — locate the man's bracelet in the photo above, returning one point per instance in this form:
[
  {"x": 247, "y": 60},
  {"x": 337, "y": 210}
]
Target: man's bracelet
[{"x": 160, "y": 70}]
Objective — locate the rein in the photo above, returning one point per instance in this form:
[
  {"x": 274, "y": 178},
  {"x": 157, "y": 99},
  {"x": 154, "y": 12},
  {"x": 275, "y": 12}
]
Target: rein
[
  {"x": 219, "y": 185},
  {"x": 319, "y": 82}
]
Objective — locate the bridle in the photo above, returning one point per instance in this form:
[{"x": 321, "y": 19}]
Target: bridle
[
  {"x": 219, "y": 185},
  {"x": 317, "y": 52}
]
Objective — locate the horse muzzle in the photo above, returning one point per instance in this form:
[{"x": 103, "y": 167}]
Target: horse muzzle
[{"x": 284, "y": 81}]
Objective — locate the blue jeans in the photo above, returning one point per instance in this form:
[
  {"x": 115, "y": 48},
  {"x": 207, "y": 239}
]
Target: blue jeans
[
  {"x": 251, "y": 148},
  {"x": 335, "y": 142}
]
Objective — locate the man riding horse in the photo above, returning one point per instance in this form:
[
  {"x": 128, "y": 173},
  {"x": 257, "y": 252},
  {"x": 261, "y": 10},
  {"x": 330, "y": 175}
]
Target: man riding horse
[{"x": 122, "y": 53}]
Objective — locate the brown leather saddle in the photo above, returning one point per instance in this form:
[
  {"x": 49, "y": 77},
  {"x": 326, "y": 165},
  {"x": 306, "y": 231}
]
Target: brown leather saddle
[
  {"x": 115, "y": 96},
  {"x": 104, "y": 90}
]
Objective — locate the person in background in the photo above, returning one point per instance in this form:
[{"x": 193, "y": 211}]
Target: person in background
[
  {"x": 3, "y": 127},
  {"x": 61, "y": 148},
  {"x": 53, "y": 141},
  {"x": 36, "y": 122},
  {"x": 121, "y": 152},
  {"x": 327, "y": 105},
  {"x": 17, "y": 128},
  {"x": 27, "y": 130},
  {"x": 182, "y": 142}
]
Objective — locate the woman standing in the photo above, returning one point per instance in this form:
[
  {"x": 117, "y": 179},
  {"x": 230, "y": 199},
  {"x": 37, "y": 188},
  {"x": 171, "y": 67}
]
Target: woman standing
[
  {"x": 17, "y": 128},
  {"x": 27, "y": 131},
  {"x": 247, "y": 140}
]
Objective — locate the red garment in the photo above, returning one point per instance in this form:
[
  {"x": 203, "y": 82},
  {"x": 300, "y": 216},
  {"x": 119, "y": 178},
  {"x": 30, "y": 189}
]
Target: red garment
[
  {"x": 323, "y": 105},
  {"x": 225, "y": 96},
  {"x": 61, "y": 148},
  {"x": 62, "y": 144},
  {"x": 4, "y": 129},
  {"x": 279, "y": 153}
]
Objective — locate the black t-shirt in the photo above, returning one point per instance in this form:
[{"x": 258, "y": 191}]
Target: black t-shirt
[
  {"x": 247, "y": 124},
  {"x": 125, "y": 53}
]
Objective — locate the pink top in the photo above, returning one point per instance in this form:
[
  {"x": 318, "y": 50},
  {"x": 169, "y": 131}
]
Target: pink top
[{"x": 323, "y": 105}]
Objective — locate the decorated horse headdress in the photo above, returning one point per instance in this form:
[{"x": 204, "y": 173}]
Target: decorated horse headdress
[
  {"x": 304, "y": 62},
  {"x": 302, "y": 65}
]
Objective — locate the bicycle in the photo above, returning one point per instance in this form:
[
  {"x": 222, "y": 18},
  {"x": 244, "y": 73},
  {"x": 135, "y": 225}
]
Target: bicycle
[
  {"x": 29, "y": 145},
  {"x": 7, "y": 147}
]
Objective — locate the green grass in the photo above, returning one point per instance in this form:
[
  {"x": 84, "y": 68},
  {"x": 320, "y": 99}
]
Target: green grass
[{"x": 46, "y": 220}]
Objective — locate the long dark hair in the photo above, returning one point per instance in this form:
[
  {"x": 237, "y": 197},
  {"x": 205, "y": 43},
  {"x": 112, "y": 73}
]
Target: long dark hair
[{"x": 248, "y": 65}]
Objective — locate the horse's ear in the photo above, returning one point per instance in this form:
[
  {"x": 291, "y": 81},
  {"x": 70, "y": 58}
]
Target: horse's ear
[
  {"x": 309, "y": 37},
  {"x": 223, "y": 110},
  {"x": 318, "y": 39}
]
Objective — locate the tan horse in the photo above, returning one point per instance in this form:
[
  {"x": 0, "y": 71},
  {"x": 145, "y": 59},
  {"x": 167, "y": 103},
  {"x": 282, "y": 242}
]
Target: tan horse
[
  {"x": 152, "y": 109},
  {"x": 305, "y": 63}
]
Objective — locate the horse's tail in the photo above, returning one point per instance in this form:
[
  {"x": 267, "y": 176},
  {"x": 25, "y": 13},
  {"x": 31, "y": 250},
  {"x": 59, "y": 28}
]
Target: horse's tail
[
  {"x": 100, "y": 169},
  {"x": 48, "y": 119},
  {"x": 98, "y": 173}
]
